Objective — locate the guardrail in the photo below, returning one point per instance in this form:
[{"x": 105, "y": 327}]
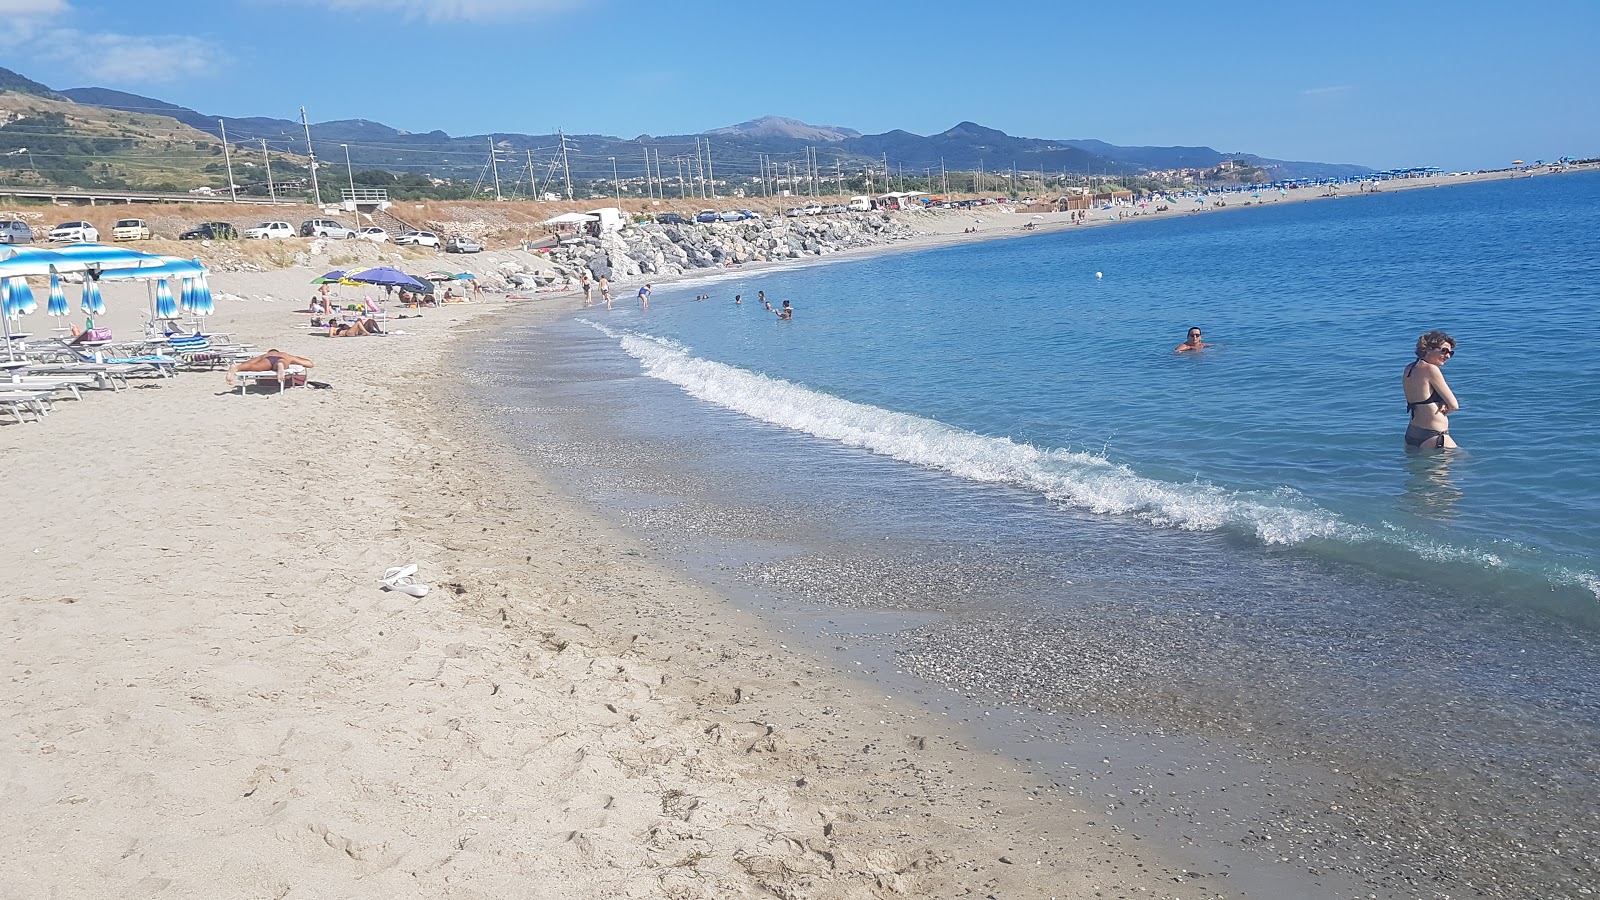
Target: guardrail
[{"x": 56, "y": 195}]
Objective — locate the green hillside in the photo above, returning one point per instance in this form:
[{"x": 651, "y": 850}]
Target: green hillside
[{"x": 55, "y": 142}]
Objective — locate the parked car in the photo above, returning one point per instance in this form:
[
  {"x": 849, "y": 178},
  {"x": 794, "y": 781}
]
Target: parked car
[
  {"x": 418, "y": 239},
  {"x": 460, "y": 244},
  {"x": 706, "y": 215},
  {"x": 15, "y": 231},
  {"x": 73, "y": 232},
  {"x": 731, "y": 215},
  {"x": 130, "y": 230},
  {"x": 270, "y": 230},
  {"x": 836, "y": 208},
  {"x": 210, "y": 231},
  {"x": 794, "y": 212},
  {"x": 325, "y": 228},
  {"x": 671, "y": 218},
  {"x": 750, "y": 214},
  {"x": 861, "y": 204},
  {"x": 374, "y": 234},
  {"x": 813, "y": 209}
]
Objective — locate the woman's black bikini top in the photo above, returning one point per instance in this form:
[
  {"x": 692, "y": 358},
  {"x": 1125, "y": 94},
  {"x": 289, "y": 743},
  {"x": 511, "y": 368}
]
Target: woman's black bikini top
[{"x": 1433, "y": 395}]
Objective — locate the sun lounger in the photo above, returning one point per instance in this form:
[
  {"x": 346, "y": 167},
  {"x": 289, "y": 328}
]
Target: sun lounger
[
  {"x": 48, "y": 383},
  {"x": 198, "y": 350},
  {"x": 105, "y": 376},
  {"x": 37, "y": 402},
  {"x": 292, "y": 374}
]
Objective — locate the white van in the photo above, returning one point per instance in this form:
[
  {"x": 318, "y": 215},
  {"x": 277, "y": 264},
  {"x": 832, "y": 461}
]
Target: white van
[{"x": 861, "y": 204}]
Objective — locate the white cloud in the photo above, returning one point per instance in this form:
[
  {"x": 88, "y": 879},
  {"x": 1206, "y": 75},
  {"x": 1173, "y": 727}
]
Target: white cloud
[
  {"x": 455, "y": 10},
  {"x": 102, "y": 56},
  {"x": 135, "y": 59},
  {"x": 32, "y": 7},
  {"x": 21, "y": 20}
]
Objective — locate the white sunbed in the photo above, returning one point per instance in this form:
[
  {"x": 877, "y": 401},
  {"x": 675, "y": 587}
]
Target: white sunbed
[
  {"x": 36, "y": 402},
  {"x": 51, "y": 383},
  {"x": 106, "y": 375},
  {"x": 256, "y": 378}
]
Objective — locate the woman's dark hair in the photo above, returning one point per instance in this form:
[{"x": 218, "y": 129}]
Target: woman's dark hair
[{"x": 1432, "y": 341}]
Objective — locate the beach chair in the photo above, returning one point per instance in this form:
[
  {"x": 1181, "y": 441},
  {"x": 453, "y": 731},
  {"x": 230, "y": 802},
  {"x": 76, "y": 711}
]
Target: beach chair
[
  {"x": 292, "y": 375},
  {"x": 197, "y": 350},
  {"x": 104, "y": 376},
  {"x": 70, "y": 383},
  {"x": 37, "y": 402}
]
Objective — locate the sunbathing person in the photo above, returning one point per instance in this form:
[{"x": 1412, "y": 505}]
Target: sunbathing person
[
  {"x": 270, "y": 361},
  {"x": 358, "y": 328}
]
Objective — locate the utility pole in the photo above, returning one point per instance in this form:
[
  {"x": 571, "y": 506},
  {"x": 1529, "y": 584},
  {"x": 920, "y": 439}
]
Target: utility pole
[
  {"x": 659, "y": 179},
  {"x": 649, "y": 185},
  {"x": 566, "y": 169},
  {"x": 711, "y": 175},
  {"x": 533, "y": 181},
  {"x": 271, "y": 191},
  {"x": 614, "y": 182},
  {"x": 312, "y": 156},
  {"x": 682, "y": 192},
  {"x": 838, "y": 176},
  {"x": 228, "y": 158},
  {"x": 494, "y": 165}
]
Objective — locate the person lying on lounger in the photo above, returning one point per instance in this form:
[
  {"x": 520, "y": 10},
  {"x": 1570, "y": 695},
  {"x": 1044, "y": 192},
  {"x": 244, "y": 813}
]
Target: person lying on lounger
[
  {"x": 270, "y": 361},
  {"x": 358, "y": 328}
]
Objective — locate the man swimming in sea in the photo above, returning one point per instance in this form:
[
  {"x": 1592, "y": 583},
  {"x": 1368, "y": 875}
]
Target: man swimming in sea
[{"x": 787, "y": 312}]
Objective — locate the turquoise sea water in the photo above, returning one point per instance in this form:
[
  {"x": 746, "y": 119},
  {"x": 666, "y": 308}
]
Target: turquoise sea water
[
  {"x": 982, "y": 472},
  {"x": 1012, "y": 362}
]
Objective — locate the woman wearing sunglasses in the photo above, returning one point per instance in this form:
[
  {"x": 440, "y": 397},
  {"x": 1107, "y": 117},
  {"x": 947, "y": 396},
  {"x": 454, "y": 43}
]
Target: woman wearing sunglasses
[{"x": 1429, "y": 399}]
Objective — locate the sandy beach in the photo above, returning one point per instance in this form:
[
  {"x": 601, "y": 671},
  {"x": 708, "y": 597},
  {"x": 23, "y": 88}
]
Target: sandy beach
[{"x": 210, "y": 696}]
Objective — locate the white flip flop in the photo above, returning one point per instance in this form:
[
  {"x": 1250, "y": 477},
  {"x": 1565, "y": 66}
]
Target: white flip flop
[{"x": 398, "y": 578}]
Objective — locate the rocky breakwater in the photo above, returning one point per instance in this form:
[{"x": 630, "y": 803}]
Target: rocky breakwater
[{"x": 644, "y": 251}]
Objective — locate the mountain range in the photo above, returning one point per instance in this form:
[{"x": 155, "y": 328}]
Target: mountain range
[{"x": 737, "y": 150}]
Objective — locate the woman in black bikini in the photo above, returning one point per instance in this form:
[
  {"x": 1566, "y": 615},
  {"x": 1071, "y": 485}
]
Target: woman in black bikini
[{"x": 1428, "y": 398}]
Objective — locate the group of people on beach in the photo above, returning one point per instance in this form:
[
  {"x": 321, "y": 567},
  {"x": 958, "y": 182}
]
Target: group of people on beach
[{"x": 1429, "y": 400}]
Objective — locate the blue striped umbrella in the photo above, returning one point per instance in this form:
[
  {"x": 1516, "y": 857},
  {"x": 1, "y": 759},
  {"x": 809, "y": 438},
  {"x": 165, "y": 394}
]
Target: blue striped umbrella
[
  {"x": 58, "y": 298},
  {"x": 92, "y": 302},
  {"x": 166, "y": 307},
  {"x": 6, "y": 312},
  {"x": 186, "y": 295},
  {"x": 204, "y": 305},
  {"x": 20, "y": 301}
]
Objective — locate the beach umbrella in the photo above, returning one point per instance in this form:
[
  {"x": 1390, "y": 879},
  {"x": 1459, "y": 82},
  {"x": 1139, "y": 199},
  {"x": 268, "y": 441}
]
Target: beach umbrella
[
  {"x": 21, "y": 299},
  {"x": 186, "y": 295},
  {"x": 166, "y": 308},
  {"x": 92, "y": 303},
  {"x": 58, "y": 298},
  {"x": 333, "y": 277},
  {"x": 380, "y": 275},
  {"x": 203, "y": 304}
]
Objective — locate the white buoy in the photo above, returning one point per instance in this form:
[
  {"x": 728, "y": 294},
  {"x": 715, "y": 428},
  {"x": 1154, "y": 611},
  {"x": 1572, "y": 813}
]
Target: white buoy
[{"x": 1099, "y": 274}]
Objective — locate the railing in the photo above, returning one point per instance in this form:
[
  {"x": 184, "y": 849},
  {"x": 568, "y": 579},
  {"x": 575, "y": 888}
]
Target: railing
[{"x": 364, "y": 195}]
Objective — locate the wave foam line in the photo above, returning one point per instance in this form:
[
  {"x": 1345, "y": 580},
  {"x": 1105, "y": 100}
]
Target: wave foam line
[
  {"x": 1079, "y": 480},
  {"x": 1075, "y": 479}
]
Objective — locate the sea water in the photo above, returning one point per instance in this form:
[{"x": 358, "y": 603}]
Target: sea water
[{"x": 996, "y": 443}]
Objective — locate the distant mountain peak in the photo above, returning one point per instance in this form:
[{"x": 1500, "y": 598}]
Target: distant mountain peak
[
  {"x": 974, "y": 130},
  {"x": 781, "y": 127}
]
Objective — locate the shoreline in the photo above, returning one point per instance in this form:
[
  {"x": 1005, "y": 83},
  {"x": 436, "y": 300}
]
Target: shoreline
[{"x": 211, "y": 697}]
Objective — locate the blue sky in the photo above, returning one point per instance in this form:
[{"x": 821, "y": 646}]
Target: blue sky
[{"x": 1459, "y": 85}]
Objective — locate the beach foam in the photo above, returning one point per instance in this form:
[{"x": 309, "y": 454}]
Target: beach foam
[{"x": 1072, "y": 479}]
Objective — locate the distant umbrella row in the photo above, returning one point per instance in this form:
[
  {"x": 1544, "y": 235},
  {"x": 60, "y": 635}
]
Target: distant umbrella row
[{"x": 95, "y": 263}]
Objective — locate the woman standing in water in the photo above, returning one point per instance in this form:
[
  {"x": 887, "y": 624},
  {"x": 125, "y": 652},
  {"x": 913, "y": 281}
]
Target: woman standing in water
[{"x": 1428, "y": 398}]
